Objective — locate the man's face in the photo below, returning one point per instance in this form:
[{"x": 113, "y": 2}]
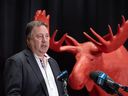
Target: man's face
[{"x": 39, "y": 40}]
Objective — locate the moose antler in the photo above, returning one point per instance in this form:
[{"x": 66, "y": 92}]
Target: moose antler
[
  {"x": 109, "y": 42},
  {"x": 41, "y": 16},
  {"x": 57, "y": 45}
]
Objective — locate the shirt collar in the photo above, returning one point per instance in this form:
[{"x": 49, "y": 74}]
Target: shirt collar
[{"x": 46, "y": 56}]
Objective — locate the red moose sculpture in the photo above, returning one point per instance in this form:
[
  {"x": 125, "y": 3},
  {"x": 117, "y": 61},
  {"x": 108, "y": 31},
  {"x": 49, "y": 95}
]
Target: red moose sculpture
[{"x": 107, "y": 55}]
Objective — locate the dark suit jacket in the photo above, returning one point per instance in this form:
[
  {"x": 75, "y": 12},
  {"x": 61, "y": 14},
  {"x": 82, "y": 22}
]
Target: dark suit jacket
[{"x": 23, "y": 77}]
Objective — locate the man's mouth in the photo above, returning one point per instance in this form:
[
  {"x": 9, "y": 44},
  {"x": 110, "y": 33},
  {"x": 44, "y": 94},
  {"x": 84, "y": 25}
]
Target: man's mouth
[{"x": 43, "y": 45}]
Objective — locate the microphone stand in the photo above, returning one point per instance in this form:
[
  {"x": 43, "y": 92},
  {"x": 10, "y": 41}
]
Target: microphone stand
[
  {"x": 115, "y": 89},
  {"x": 119, "y": 94},
  {"x": 65, "y": 87},
  {"x": 125, "y": 88}
]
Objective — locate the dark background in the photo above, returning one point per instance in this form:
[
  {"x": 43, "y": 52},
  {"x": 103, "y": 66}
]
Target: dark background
[{"x": 71, "y": 16}]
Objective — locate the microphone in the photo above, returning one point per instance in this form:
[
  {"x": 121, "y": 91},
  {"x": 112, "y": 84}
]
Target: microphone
[
  {"x": 62, "y": 76},
  {"x": 106, "y": 83}
]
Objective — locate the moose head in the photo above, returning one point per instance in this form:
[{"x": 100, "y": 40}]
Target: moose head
[{"x": 107, "y": 54}]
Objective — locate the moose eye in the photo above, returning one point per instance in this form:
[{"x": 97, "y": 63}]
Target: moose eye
[{"x": 96, "y": 52}]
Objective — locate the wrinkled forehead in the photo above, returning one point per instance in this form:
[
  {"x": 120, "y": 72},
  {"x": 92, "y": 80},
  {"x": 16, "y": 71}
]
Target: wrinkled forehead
[{"x": 40, "y": 29}]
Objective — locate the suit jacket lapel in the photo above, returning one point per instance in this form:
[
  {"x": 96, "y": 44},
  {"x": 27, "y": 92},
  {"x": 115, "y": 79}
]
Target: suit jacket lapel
[
  {"x": 31, "y": 60},
  {"x": 56, "y": 72},
  {"x": 54, "y": 68}
]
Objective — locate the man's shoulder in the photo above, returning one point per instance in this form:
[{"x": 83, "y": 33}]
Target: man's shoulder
[{"x": 18, "y": 55}]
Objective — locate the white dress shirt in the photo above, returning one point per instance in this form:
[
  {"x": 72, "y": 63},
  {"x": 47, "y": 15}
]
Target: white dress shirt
[{"x": 48, "y": 75}]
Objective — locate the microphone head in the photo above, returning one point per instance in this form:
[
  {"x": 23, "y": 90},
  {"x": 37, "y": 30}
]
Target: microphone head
[
  {"x": 62, "y": 76},
  {"x": 104, "y": 81},
  {"x": 98, "y": 77}
]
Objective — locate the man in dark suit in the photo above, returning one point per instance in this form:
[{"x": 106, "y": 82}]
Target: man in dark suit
[{"x": 32, "y": 72}]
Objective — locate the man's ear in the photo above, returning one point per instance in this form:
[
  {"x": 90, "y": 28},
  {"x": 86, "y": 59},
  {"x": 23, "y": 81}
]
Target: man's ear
[{"x": 28, "y": 42}]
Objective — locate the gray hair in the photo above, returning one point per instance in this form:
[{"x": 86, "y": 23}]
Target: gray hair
[{"x": 30, "y": 26}]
